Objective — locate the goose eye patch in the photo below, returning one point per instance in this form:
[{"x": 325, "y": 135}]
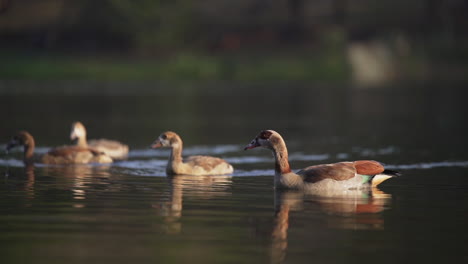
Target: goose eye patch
[{"x": 265, "y": 134}]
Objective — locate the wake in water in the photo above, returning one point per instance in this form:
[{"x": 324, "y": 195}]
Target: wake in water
[
  {"x": 147, "y": 162},
  {"x": 429, "y": 165}
]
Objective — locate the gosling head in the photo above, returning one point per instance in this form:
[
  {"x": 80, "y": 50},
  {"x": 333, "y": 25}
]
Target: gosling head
[
  {"x": 167, "y": 139},
  {"x": 22, "y": 138},
  {"x": 77, "y": 131}
]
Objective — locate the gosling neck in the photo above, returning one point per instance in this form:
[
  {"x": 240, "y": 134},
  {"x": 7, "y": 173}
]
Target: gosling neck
[
  {"x": 82, "y": 142},
  {"x": 176, "y": 152},
  {"x": 175, "y": 159},
  {"x": 29, "y": 152}
]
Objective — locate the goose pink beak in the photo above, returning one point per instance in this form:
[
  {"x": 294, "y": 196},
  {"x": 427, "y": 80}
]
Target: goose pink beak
[{"x": 251, "y": 146}]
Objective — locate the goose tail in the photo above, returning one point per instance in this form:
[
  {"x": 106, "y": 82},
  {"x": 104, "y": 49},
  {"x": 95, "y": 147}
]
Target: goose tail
[{"x": 385, "y": 175}]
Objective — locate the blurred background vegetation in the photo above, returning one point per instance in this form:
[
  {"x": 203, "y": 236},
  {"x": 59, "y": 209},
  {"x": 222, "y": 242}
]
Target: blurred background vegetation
[{"x": 369, "y": 42}]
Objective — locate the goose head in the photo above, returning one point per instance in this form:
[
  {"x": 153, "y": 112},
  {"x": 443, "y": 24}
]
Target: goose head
[
  {"x": 266, "y": 138},
  {"x": 167, "y": 139},
  {"x": 77, "y": 131}
]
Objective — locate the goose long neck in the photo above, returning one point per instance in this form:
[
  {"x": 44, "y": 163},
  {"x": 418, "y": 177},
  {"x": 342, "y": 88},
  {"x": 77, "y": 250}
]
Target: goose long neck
[{"x": 281, "y": 158}]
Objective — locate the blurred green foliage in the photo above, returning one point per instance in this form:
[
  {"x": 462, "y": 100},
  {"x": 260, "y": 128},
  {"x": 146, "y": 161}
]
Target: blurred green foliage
[
  {"x": 184, "y": 66},
  {"x": 226, "y": 40},
  {"x": 151, "y": 23}
]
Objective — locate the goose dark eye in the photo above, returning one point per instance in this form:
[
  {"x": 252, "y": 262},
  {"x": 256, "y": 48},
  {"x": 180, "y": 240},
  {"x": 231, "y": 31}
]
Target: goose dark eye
[
  {"x": 163, "y": 136},
  {"x": 265, "y": 135}
]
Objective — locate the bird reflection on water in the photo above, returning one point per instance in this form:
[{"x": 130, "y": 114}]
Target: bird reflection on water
[
  {"x": 354, "y": 209},
  {"x": 203, "y": 187},
  {"x": 75, "y": 178}
]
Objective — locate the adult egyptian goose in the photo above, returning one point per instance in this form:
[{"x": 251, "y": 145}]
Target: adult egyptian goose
[
  {"x": 59, "y": 155},
  {"x": 193, "y": 165},
  {"x": 112, "y": 148},
  {"x": 341, "y": 175}
]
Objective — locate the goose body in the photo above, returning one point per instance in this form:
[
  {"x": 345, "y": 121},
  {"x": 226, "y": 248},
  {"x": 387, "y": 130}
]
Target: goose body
[
  {"x": 112, "y": 148},
  {"x": 193, "y": 165},
  {"x": 59, "y": 155},
  {"x": 335, "y": 176}
]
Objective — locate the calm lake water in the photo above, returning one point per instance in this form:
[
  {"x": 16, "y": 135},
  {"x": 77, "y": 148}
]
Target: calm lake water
[{"x": 130, "y": 212}]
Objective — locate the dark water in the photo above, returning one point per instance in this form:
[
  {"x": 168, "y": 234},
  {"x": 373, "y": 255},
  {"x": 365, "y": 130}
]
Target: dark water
[{"x": 129, "y": 212}]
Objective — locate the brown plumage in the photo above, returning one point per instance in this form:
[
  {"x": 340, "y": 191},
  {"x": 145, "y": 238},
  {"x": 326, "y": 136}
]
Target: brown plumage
[
  {"x": 349, "y": 174},
  {"x": 193, "y": 165},
  {"x": 59, "y": 155},
  {"x": 338, "y": 171},
  {"x": 368, "y": 167}
]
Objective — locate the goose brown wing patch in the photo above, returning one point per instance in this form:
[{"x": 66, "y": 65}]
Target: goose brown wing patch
[
  {"x": 368, "y": 167},
  {"x": 337, "y": 171}
]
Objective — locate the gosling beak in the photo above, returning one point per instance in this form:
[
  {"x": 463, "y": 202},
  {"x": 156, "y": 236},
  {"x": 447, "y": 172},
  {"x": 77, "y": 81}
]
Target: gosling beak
[
  {"x": 73, "y": 135},
  {"x": 13, "y": 143},
  {"x": 156, "y": 144}
]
